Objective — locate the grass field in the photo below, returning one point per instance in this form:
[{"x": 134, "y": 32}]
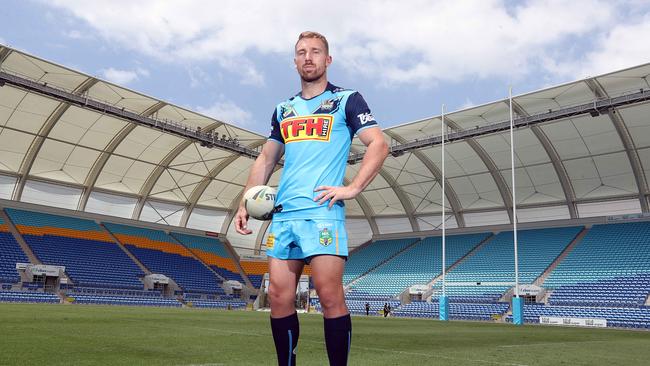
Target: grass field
[{"x": 112, "y": 335}]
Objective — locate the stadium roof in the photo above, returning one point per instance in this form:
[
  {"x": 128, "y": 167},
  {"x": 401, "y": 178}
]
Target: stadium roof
[{"x": 64, "y": 154}]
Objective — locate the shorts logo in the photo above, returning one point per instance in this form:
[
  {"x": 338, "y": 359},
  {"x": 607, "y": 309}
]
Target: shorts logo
[
  {"x": 270, "y": 241},
  {"x": 324, "y": 237},
  {"x": 304, "y": 128}
]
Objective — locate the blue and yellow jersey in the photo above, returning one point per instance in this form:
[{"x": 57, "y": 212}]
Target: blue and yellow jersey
[{"x": 317, "y": 134}]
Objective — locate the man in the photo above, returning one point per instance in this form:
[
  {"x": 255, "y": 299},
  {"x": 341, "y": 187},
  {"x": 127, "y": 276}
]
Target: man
[
  {"x": 367, "y": 308},
  {"x": 313, "y": 130}
]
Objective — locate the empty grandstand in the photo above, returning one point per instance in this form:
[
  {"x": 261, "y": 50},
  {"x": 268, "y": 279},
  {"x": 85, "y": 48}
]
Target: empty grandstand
[
  {"x": 120, "y": 188},
  {"x": 90, "y": 256},
  {"x": 212, "y": 252},
  {"x": 162, "y": 254},
  {"x": 11, "y": 254}
]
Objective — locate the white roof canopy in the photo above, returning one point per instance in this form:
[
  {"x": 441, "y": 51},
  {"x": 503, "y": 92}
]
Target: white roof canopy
[{"x": 562, "y": 166}]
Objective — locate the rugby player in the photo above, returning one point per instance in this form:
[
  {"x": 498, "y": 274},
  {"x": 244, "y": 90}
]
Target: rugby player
[{"x": 313, "y": 130}]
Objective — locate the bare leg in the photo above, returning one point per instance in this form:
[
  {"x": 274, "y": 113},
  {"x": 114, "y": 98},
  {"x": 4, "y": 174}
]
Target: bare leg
[
  {"x": 327, "y": 271},
  {"x": 284, "y": 275}
]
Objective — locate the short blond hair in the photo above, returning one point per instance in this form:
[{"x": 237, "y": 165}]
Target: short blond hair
[{"x": 311, "y": 34}]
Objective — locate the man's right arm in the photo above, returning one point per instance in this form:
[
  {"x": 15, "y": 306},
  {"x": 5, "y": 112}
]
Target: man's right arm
[{"x": 259, "y": 175}]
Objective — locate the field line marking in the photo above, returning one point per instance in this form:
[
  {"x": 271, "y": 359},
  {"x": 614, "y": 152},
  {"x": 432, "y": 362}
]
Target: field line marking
[
  {"x": 366, "y": 348},
  {"x": 439, "y": 356},
  {"x": 551, "y": 343}
]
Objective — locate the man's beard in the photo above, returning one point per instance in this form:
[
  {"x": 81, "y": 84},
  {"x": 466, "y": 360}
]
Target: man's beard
[{"x": 310, "y": 78}]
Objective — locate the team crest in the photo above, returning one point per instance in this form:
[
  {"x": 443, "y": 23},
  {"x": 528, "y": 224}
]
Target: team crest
[
  {"x": 287, "y": 110},
  {"x": 325, "y": 237},
  {"x": 328, "y": 106}
]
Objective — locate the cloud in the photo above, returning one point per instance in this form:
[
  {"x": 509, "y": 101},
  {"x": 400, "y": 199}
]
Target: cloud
[
  {"x": 619, "y": 48},
  {"x": 417, "y": 42},
  {"x": 467, "y": 104},
  {"x": 123, "y": 77},
  {"x": 197, "y": 76},
  {"x": 77, "y": 34},
  {"x": 227, "y": 111}
]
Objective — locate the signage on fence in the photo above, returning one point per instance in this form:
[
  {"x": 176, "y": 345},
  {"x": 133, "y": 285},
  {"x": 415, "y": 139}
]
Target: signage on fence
[
  {"x": 45, "y": 270},
  {"x": 577, "y": 322},
  {"x": 252, "y": 257},
  {"x": 529, "y": 290},
  {"x": 157, "y": 278},
  {"x": 418, "y": 289}
]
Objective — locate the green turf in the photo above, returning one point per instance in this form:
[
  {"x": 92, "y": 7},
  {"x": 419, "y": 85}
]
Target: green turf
[{"x": 114, "y": 335}]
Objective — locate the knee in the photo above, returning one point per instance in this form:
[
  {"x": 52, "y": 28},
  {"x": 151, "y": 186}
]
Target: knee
[
  {"x": 331, "y": 297},
  {"x": 279, "y": 297}
]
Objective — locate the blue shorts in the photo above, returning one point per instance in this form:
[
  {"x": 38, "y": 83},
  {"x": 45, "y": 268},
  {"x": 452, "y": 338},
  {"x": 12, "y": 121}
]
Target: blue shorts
[{"x": 303, "y": 239}]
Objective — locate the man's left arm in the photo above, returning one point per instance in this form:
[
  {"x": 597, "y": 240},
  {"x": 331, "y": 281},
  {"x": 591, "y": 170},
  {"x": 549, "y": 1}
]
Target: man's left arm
[{"x": 376, "y": 152}]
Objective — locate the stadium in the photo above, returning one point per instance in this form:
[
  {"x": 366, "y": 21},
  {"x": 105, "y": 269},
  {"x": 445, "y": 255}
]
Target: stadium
[{"x": 118, "y": 245}]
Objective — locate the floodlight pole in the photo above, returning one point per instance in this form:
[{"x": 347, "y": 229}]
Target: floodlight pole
[
  {"x": 517, "y": 303},
  {"x": 443, "y": 302}
]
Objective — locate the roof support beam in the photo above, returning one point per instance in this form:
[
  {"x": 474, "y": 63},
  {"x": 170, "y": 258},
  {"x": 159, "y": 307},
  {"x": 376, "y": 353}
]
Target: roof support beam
[
  {"x": 506, "y": 195},
  {"x": 628, "y": 143},
  {"x": 205, "y": 182},
  {"x": 563, "y": 176},
  {"x": 403, "y": 198},
  {"x": 521, "y": 121},
  {"x": 157, "y": 172},
  {"x": 452, "y": 198},
  {"x": 101, "y": 161},
  {"x": 170, "y": 127},
  {"x": 37, "y": 143},
  {"x": 4, "y": 53}
]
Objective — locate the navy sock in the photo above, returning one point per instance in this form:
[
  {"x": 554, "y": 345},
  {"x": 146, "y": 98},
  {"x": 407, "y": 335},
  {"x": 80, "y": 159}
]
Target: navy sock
[
  {"x": 285, "y": 335},
  {"x": 338, "y": 338}
]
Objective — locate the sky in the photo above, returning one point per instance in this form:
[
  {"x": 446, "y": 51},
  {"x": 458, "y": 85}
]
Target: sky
[{"x": 233, "y": 60}]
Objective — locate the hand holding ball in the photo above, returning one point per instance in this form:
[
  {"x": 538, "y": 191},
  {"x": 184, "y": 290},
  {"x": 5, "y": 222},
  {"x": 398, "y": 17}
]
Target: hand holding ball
[{"x": 259, "y": 202}]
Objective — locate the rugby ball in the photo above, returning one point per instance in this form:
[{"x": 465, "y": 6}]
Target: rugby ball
[{"x": 259, "y": 202}]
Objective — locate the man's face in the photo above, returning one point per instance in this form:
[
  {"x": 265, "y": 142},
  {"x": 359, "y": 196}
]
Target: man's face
[{"x": 311, "y": 59}]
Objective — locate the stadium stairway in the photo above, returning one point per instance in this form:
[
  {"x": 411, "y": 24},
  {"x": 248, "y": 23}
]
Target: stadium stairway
[
  {"x": 379, "y": 264},
  {"x": 119, "y": 244},
  {"x": 418, "y": 264},
  {"x": 461, "y": 259},
  {"x": 174, "y": 239},
  {"x": 10, "y": 254},
  {"x": 19, "y": 238},
  {"x": 163, "y": 254},
  {"x": 88, "y": 254},
  {"x": 360, "y": 247},
  {"x": 237, "y": 261},
  {"x": 540, "y": 280},
  {"x": 606, "y": 252},
  {"x": 214, "y": 256}
]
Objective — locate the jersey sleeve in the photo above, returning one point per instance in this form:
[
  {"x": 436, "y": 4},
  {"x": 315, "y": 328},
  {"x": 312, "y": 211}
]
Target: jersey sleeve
[
  {"x": 357, "y": 114},
  {"x": 275, "y": 128}
]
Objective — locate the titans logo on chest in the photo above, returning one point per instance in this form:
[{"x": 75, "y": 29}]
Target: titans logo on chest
[{"x": 303, "y": 128}]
